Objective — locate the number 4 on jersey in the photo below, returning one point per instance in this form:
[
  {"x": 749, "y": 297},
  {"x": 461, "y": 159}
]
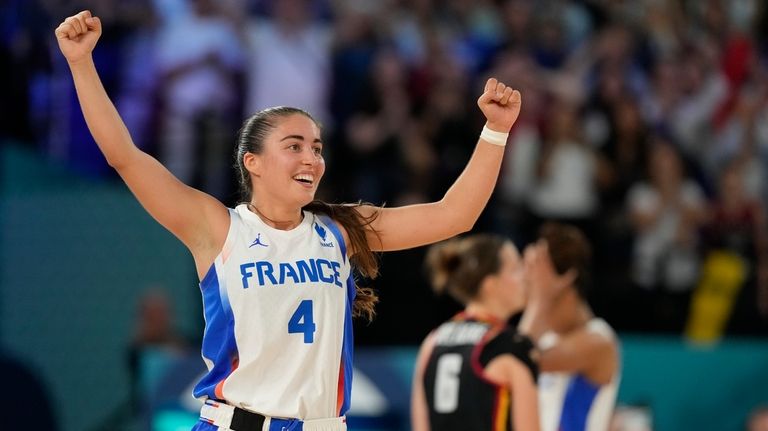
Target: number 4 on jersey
[{"x": 302, "y": 322}]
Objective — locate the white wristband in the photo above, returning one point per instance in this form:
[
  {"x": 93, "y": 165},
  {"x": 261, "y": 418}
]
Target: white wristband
[{"x": 494, "y": 137}]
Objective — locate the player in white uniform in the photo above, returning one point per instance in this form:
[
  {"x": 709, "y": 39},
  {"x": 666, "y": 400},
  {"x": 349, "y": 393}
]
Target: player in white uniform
[
  {"x": 578, "y": 353},
  {"x": 275, "y": 271}
]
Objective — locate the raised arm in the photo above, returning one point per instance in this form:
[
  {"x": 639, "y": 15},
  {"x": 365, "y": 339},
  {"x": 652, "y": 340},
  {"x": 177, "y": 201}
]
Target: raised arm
[
  {"x": 415, "y": 225},
  {"x": 580, "y": 351},
  {"x": 197, "y": 219}
]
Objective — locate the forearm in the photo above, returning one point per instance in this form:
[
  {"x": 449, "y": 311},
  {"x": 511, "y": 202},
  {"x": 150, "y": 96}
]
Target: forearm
[
  {"x": 467, "y": 197},
  {"x": 100, "y": 114},
  {"x": 534, "y": 322}
]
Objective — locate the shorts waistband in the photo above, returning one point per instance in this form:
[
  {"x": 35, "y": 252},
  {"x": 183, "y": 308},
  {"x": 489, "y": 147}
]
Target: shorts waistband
[{"x": 236, "y": 419}]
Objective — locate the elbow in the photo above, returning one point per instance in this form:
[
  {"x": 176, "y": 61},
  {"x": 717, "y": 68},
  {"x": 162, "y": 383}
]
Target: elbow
[
  {"x": 119, "y": 160},
  {"x": 116, "y": 163},
  {"x": 467, "y": 225},
  {"x": 463, "y": 225},
  {"x": 457, "y": 218}
]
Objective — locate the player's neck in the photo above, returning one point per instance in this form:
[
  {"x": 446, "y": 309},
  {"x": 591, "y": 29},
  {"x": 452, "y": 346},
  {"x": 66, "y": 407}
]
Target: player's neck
[
  {"x": 277, "y": 218},
  {"x": 486, "y": 312},
  {"x": 571, "y": 313}
]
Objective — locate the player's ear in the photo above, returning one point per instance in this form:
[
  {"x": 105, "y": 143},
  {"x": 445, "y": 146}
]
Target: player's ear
[
  {"x": 568, "y": 278},
  {"x": 488, "y": 284},
  {"x": 252, "y": 163}
]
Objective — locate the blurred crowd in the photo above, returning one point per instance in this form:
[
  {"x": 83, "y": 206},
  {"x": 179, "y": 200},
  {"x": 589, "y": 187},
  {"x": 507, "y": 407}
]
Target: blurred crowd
[{"x": 644, "y": 122}]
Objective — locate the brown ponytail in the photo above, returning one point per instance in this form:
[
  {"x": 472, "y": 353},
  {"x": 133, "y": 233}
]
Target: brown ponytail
[
  {"x": 460, "y": 265},
  {"x": 364, "y": 260}
]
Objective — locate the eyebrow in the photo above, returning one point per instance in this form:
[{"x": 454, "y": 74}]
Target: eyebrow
[{"x": 300, "y": 138}]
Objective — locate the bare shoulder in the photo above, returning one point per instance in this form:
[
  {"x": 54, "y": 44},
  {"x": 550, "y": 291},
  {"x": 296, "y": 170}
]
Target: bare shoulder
[
  {"x": 602, "y": 348},
  {"x": 597, "y": 341}
]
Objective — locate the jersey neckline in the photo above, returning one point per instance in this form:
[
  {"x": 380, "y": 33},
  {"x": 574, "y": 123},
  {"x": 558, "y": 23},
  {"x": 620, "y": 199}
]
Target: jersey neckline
[{"x": 306, "y": 222}]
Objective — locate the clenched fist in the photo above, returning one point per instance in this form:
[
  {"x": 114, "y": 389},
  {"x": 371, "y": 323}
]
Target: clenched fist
[
  {"x": 500, "y": 105},
  {"x": 77, "y": 36}
]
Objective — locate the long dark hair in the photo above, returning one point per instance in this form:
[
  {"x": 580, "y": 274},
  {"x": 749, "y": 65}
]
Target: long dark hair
[{"x": 250, "y": 139}]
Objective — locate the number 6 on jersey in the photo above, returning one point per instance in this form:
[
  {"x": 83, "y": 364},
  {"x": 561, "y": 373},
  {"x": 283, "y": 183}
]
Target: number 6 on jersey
[
  {"x": 447, "y": 383},
  {"x": 302, "y": 322}
]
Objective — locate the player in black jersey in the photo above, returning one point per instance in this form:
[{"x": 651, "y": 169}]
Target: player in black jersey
[{"x": 474, "y": 372}]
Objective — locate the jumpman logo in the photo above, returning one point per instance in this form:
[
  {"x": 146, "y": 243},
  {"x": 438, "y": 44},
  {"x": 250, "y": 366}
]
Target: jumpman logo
[{"x": 257, "y": 241}]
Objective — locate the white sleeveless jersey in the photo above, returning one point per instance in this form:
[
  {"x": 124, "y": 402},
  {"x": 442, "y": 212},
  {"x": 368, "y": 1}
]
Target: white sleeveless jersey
[
  {"x": 278, "y": 324},
  {"x": 570, "y": 402}
]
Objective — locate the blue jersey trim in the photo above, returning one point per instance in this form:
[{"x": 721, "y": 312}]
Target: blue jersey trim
[
  {"x": 336, "y": 233},
  {"x": 578, "y": 401},
  {"x": 347, "y": 348},
  {"x": 219, "y": 345}
]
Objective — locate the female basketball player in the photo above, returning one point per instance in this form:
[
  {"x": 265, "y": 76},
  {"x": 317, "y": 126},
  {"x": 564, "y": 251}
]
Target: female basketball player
[
  {"x": 474, "y": 372},
  {"x": 578, "y": 353},
  {"x": 275, "y": 271}
]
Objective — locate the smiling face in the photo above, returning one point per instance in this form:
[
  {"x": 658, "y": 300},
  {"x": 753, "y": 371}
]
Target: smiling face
[{"x": 289, "y": 167}]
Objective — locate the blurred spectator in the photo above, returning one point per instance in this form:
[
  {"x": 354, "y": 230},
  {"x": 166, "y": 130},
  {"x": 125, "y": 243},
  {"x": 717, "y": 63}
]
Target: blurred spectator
[
  {"x": 289, "y": 60},
  {"x": 24, "y": 66},
  {"x": 664, "y": 21},
  {"x": 136, "y": 100},
  {"x": 743, "y": 136},
  {"x": 169, "y": 11},
  {"x": 519, "y": 170},
  {"x": 447, "y": 127},
  {"x": 622, "y": 160},
  {"x": 666, "y": 213},
  {"x": 566, "y": 184},
  {"x": 199, "y": 58},
  {"x": 550, "y": 47},
  {"x": 736, "y": 265},
  {"x": 412, "y": 26},
  {"x": 355, "y": 45},
  {"x": 374, "y": 133},
  {"x": 703, "y": 88},
  {"x": 154, "y": 330},
  {"x": 69, "y": 139}
]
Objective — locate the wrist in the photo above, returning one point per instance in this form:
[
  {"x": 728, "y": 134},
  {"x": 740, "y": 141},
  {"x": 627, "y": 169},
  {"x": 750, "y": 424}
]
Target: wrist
[
  {"x": 538, "y": 304},
  {"x": 86, "y": 61},
  {"x": 496, "y": 127},
  {"x": 493, "y": 135}
]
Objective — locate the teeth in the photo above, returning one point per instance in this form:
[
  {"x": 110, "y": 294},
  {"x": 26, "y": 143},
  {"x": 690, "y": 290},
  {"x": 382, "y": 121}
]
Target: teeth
[{"x": 305, "y": 177}]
